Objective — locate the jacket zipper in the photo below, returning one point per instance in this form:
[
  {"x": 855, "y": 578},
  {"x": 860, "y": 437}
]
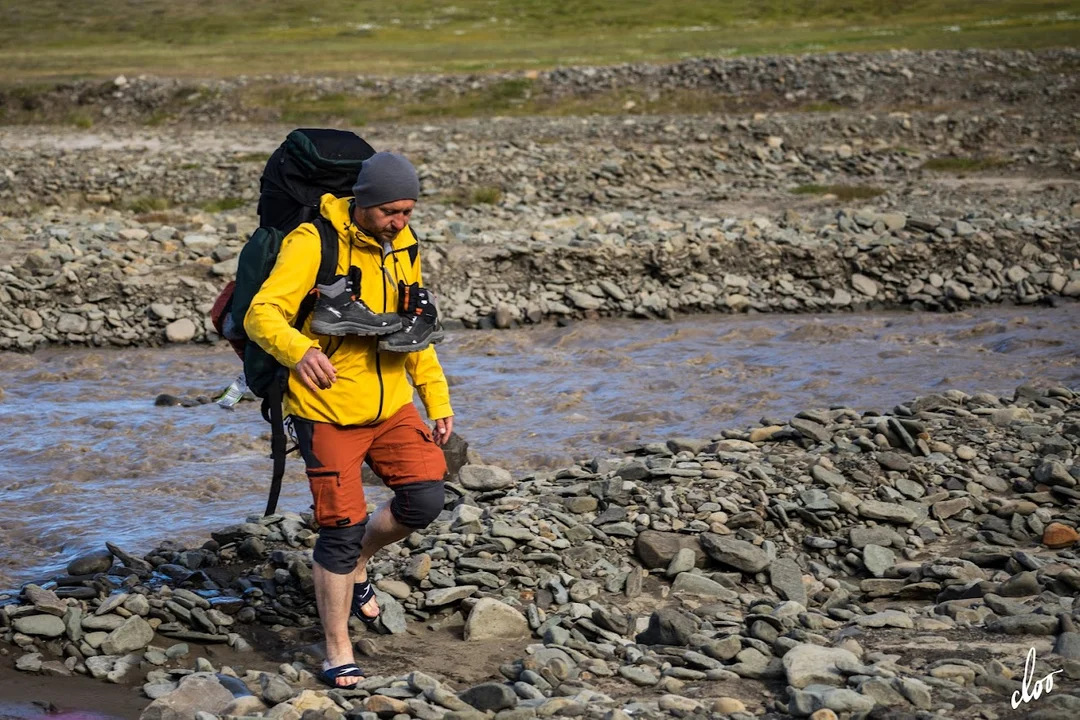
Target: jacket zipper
[{"x": 378, "y": 363}]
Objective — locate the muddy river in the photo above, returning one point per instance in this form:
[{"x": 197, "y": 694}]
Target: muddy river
[{"x": 86, "y": 457}]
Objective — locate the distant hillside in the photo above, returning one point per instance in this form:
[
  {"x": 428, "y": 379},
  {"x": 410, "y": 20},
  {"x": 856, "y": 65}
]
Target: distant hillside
[{"x": 59, "y": 38}]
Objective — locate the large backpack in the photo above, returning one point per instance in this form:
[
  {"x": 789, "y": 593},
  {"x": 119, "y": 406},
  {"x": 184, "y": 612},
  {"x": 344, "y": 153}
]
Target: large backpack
[{"x": 309, "y": 164}]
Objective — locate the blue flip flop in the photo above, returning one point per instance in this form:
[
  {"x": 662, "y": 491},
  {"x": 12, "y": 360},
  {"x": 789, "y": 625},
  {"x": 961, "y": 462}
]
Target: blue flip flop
[
  {"x": 330, "y": 675},
  {"x": 362, "y": 594}
]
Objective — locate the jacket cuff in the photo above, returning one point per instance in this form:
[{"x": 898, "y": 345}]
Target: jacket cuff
[
  {"x": 439, "y": 412},
  {"x": 298, "y": 348}
]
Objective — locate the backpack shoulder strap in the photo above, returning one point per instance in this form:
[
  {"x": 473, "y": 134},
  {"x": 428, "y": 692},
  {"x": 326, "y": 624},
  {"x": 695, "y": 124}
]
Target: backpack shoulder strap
[{"x": 329, "y": 258}]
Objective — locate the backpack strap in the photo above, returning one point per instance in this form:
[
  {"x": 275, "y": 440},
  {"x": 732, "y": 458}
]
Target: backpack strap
[
  {"x": 271, "y": 409},
  {"x": 328, "y": 257}
]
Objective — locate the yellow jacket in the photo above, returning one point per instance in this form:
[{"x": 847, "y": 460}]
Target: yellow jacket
[{"x": 371, "y": 385}]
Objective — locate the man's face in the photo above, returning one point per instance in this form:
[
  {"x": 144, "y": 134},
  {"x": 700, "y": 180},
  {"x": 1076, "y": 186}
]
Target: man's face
[{"x": 384, "y": 222}]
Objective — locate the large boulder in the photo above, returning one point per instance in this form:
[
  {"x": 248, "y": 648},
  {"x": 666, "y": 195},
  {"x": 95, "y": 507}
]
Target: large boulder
[
  {"x": 484, "y": 477},
  {"x": 816, "y": 665},
  {"x": 656, "y": 549},
  {"x": 491, "y": 619},
  {"x": 48, "y": 626},
  {"x": 91, "y": 563},
  {"x": 198, "y": 692},
  {"x": 668, "y": 626},
  {"x": 738, "y": 554},
  {"x": 134, "y": 634}
]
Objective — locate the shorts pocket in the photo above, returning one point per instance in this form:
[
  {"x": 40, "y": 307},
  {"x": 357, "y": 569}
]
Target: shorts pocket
[{"x": 336, "y": 503}]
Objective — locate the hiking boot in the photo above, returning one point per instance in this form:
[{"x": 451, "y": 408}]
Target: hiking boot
[
  {"x": 339, "y": 311},
  {"x": 420, "y": 326}
]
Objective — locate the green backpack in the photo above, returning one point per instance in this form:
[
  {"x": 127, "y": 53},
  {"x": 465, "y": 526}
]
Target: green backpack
[{"x": 309, "y": 164}]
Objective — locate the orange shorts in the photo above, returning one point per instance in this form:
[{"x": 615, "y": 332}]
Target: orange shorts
[{"x": 401, "y": 451}]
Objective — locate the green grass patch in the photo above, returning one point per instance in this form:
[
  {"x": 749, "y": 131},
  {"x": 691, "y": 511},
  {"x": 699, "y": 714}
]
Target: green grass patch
[
  {"x": 467, "y": 197},
  {"x": 486, "y": 196},
  {"x": 190, "y": 166},
  {"x": 59, "y": 38},
  {"x": 161, "y": 216},
  {"x": 511, "y": 97},
  {"x": 223, "y": 204},
  {"x": 80, "y": 119},
  {"x": 842, "y": 192},
  {"x": 148, "y": 204},
  {"x": 963, "y": 164},
  {"x": 253, "y": 157},
  {"x": 158, "y": 118},
  {"x": 822, "y": 107}
]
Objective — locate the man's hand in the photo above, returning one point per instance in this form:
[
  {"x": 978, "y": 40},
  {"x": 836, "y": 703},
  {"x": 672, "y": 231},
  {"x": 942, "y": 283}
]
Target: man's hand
[
  {"x": 316, "y": 370},
  {"x": 442, "y": 429}
]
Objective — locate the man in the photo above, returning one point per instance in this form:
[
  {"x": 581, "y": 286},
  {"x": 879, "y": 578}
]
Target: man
[{"x": 351, "y": 401}]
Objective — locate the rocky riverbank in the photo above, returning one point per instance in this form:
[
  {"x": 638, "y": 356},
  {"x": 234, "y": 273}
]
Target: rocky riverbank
[
  {"x": 830, "y": 563},
  {"x": 113, "y": 240}
]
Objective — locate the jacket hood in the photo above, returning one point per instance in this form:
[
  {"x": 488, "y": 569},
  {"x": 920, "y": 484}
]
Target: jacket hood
[{"x": 336, "y": 210}]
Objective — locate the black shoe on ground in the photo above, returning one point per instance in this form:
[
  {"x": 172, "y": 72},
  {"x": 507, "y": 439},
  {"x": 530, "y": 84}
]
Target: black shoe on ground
[
  {"x": 420, "y": 326},
  {"x": 339, "y": 312}
]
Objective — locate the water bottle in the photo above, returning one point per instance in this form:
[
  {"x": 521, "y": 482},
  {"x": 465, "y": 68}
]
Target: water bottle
[{"x": 234, "y": 393}]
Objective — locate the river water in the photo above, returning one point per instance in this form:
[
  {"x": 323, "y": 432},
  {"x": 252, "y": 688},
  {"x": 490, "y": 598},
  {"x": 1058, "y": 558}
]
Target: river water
[{"x": 86, "y": 457}]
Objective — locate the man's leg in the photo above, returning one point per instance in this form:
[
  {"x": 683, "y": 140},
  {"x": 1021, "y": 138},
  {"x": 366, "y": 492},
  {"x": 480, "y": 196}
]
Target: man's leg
[
  {"x": 382, "y": 529},
  {"x": 406, "y": 457},
  {"x": 333, "y": 596},
  {"x": 333, "y": 456}
]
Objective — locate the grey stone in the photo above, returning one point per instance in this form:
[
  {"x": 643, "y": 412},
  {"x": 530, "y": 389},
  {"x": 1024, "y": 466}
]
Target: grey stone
[
  {"x": 639, "y": 675},
  {"x": 864, "y": 285},
  {"x": 668, "y": 626},
  {"x": 180, "y": 331},
  {"x": 684, "y": 560},
  {"x": 48, "y": 626},
  {"x": 880, "y": 535},
  {"x": 657, "y": 549},
  {"x": 485, "y": 477},
  {"x": 196, "y": 693},
  {"x": 878, "y": 560},
  {"x": 1031, "y": 624},
  {"x": 45, "y": 600},
  {"x": 71, "y": 323},
  {"x": 391, "y": 613},
  {"x": 891, "y": 512},
  {"x": 490, "y": 696},
  {"x": 738, "y": 554},
  {"x": 785, "y": 576},
  {"x": 445, "y": 596},
  {"x": 690, "y": 584},
  {"x": 30, "y": 662},
  {"x": 491, "y": 619},
  {"x": 1067, "y": 645},
  {"x": 134, "y": 634},
  {"x": 886, "y": 618},
  {"x": 815, "y": 665}
]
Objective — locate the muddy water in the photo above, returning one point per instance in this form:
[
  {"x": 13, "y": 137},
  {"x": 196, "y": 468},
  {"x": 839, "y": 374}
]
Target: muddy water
[{"x": 86, "y": 457}]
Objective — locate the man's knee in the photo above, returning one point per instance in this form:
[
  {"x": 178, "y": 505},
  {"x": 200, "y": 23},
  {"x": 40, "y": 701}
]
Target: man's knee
[
  {"x": 416, "y": 505},
  {"x": 338, "y": 548}
]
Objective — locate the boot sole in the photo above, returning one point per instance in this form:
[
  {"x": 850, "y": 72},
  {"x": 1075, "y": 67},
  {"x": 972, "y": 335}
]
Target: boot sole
[
  {"x": 341, "y": 329},
  {"x": 433, "y": 338}
]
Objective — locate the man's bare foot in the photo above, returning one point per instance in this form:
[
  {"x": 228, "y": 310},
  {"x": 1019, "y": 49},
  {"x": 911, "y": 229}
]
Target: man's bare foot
[
  {"x": 348, "y": 677},
  {"x": 370, "y": 609}
]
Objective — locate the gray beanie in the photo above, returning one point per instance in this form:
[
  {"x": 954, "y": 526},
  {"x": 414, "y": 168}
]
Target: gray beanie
[{"x": 386, "y": 177}]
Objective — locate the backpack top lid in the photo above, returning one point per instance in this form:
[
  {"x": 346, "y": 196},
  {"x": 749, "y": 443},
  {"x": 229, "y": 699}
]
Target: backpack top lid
[{"x": 310, "y": 163}]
